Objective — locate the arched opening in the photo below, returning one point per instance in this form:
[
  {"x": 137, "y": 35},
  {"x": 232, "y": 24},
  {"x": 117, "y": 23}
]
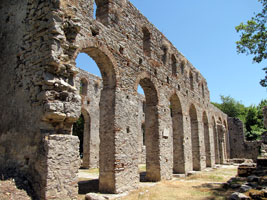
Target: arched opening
[
  {"x": 106, "y": 112},
  {"x": 174, "y": 66},
  {"x": 165, "y": 54},
  {"x": 102, "y": 10},
  {"x": 146, "y": 42},
  {"x": 82, "y": 128},
  {"x": 83, "y": 87},
  {"x": 142, "y": 137},
  {"x": 78, "y": 130},
  {"x": 194, "y": 138},
  {"x": 191, "y": 79},
  {"x": 151, "y": 130},
  {"x": 203, "y": 90},
  {"x": 182, "y": 65},
  {"x": 215, "y": 137},
  {"x": 86, "y": 63},
  {"x": 207, "y": 139},
  {"x": 178, "y": 135}
]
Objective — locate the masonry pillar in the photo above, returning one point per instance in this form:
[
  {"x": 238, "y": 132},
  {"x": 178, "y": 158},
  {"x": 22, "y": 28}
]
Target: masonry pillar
[
  {"x": 212, "y": 148},
  {"x": 187, "y": 144},
  {"x": 202, "y": 148},
  {"x": 221, "y": 141},
  {"x": 58, "y": 167}
]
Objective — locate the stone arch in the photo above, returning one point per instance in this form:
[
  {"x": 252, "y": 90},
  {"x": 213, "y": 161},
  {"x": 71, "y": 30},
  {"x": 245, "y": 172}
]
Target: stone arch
[
  {"x": 215, "y": 138},
  {"x": 178, "y": 135},
  {"x": 194, "y": 137},
  {"x": 206, "y": 139},
  {"x": 107, "y": 67},
  {"x": 151, "y": 128}
]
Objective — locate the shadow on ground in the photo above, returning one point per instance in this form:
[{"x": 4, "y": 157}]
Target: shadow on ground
[
  {"x": 217, "y": 190},
  {"x": 88, "y": 186}
]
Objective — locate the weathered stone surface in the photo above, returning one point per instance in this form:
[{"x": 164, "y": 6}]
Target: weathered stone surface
[
  {"x": 246, "y": 170},
  {"x": 239, "y": 147},
  {"x": 253, "y": 178},
  {"x": 62, "y": 158},
  {"x": 244, "y": 188},
  {"x": 94, "y": 196},
  {"x": 238, "y": 196},
  {"x": 40, "y": 97}
]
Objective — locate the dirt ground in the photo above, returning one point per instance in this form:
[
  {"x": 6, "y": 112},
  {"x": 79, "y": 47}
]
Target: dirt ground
[
  {"x": 9, "y": 191},
  {"x": 205, "y": 185}
]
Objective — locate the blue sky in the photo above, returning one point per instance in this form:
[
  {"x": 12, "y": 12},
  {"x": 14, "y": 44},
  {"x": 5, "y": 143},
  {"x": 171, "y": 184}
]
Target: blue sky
[{"x": 204, "y": 32}]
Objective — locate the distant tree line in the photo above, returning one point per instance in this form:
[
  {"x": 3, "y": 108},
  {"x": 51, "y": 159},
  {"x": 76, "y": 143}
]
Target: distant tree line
[{"x": 251, "y": 116}]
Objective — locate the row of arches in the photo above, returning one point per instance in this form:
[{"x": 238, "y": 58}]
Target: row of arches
[{"x": 151, "y": 128}]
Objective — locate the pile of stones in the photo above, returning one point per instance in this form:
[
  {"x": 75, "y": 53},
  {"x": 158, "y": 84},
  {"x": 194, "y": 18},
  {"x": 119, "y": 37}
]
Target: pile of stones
[{"x": 251, "y": 182}]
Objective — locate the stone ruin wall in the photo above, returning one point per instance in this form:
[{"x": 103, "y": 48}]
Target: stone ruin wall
[
  {"x": 40, "y": 100},
  {"x": 239, "y": 146}
]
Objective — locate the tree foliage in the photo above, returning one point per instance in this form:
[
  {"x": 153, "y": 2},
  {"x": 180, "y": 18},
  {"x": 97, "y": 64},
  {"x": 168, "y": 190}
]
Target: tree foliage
[
  {"x": 232, "y": 107},
  {"x": 253, "y": 38},
  {"x": 251, "y": 116}
]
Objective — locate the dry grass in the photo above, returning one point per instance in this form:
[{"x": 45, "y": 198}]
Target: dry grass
[
  {"x": 200, "y": 186},
  {"x": 206, "y": 185}
]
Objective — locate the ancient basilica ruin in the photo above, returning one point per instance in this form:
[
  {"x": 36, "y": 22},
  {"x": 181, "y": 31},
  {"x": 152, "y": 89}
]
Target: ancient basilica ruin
[{"x": 41, "y": 98}]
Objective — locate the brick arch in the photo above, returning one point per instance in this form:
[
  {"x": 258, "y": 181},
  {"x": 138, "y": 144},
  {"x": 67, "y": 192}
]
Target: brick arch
[
  {"x": 178, "y": 134},
  {"x": 194, "y": 127}
]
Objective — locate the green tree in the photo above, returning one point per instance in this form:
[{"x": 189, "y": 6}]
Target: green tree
[
  {"x": 253, "y": 38},
  {"x": 251, "y": 116},
  {"x": 260, "y": 107},
  {"x": 232, "y": 108}
]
